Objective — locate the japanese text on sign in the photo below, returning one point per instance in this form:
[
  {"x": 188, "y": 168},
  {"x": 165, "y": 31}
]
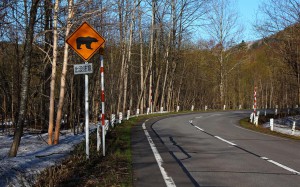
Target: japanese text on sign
[{"x": 83, "y": 69}]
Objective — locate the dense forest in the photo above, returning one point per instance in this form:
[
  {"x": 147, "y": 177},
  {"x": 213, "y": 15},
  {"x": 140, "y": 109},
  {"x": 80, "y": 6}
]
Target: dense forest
[{"x": 153, "y": 58}]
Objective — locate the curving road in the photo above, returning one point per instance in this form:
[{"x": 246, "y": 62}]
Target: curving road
[{"x": 210, "y": 149}]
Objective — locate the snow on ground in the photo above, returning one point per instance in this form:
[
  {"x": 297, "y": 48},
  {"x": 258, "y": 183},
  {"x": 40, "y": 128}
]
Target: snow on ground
[
  {"x": 284, "y": 125},
  {"x": 34, "y": 156}
]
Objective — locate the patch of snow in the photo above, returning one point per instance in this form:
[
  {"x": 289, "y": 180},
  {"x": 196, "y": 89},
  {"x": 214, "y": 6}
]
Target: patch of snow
[
  {"x": 284, "y": 125},
  {"x": 34, "y": 156}
]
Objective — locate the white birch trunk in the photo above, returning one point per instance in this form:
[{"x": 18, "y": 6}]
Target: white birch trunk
[
  {"x": 53, "y": 75},
  {"x": 63, "y": 76}
]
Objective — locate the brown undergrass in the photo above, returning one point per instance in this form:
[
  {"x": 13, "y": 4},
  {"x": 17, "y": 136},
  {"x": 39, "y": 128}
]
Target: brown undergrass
[
  {"x": 115, "y": 169},
  {"x": 112, "y": 170}
]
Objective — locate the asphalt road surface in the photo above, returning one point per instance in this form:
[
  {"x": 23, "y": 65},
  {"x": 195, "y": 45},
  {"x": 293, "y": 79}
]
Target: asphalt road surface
[{"x": 210, "y": 149}]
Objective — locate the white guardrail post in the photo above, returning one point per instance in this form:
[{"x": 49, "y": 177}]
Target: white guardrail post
[
  {"x": 148, "y": 110},
  {"x": 106, "y": 127},
  {"x": 128, "y": 114},
  {"x": 112, "y": 120},
  {"x": 256, "y": 118},
  {"x": 120, "y": 117},
  {"x": 98, "y": 136},
  {"x": 293, "y": 127},
  {"x": 177, "y": 108},
  {"x": 271, "y": 124},
  {"x": 192, "y": 108},
  {"x": 205, "y": 108},
  {"x": 251, "y": 117},
  {"x": 137, "y": 112}
]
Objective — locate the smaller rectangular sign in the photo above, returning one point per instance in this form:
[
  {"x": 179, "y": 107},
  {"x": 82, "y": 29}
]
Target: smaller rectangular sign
[{"x": 83, "y": 68}]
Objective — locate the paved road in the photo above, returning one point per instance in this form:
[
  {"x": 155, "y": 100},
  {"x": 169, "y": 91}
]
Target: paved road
[{"x": 210, "y": 149}]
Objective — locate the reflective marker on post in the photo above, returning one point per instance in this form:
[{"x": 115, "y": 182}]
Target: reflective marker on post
[{"x": 254, "y": 108}]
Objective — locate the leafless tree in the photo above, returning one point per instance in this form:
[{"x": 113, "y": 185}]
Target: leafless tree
[
  {"x": 225, "y": 30},
  {"x": 63, "y": 74},
  {"x": 281, "y": 24},
  {"x": 53, "y": 74},
  {"x": 26, "y": 62}
]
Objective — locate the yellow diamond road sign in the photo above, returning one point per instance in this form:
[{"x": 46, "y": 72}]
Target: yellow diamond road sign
[{"x": 85, "y": 41}]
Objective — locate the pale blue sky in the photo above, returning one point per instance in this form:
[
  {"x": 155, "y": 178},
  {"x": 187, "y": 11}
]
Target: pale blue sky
[{"x": 247, "y": 10}]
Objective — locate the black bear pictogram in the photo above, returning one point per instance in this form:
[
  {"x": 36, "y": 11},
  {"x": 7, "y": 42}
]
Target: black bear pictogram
[{"x": 87, "y": 41}]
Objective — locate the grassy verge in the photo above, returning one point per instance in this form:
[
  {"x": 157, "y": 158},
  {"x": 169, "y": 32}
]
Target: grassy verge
[
  {"x": 246, "y": 124},
  {"x": 115, "y": 169}
]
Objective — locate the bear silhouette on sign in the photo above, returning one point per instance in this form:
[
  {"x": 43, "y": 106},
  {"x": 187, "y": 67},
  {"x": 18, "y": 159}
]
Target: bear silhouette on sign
[{"x": 87, "y": 41}]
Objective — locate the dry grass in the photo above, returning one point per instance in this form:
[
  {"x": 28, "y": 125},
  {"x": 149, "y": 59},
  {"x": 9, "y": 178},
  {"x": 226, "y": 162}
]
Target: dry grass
[{"x": 115, "y": 169}]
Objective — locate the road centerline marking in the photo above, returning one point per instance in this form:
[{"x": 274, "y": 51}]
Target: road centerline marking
[
  {"x": 168, "y": 180},
  {"x": 199, "y": 128},
  {"x": 284, "y": 167},
  {"x": 261, "y": 157},
  {"x": 218, "y": 137}
]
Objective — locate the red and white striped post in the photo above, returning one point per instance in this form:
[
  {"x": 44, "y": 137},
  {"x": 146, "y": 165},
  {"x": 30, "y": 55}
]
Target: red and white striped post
[
  {"x": 151, "y": 102},
  {"x": 102, "y": 98},
  {"x": 254, "y": 108}
]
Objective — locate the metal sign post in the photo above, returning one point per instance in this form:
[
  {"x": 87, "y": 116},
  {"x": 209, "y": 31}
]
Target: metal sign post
[
  {"x": 85, "y": 69},
  {"x": 86, "y": 91}
]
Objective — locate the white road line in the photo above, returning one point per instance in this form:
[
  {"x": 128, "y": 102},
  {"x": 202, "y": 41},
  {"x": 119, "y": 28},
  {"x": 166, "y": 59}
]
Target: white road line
[
  {"x": 284, "y": 167},
  {"x": 199, "y": 128},
  {"x": 198, "y": 117},
  {"x": 264, "y": 158},
  {"x": 214, "y": 115},
  {"x": 168, "y": 180},
  {"x": 233, "y": 144}
]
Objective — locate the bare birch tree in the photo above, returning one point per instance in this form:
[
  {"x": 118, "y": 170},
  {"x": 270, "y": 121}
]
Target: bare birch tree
[
  {"x": 53, "y": 74},
  {"x": 281, "y": 21},
  {"x": 225, "y": 30},
  {"x": 26, "y": 62},
  {"x": 122, "y": 30},
  {"x": 63, "y": 75}
]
